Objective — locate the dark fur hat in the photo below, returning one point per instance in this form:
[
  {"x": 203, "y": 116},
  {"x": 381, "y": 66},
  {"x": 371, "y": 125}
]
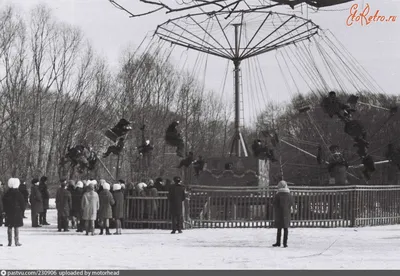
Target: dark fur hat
[{"x": 177, "y": 179}]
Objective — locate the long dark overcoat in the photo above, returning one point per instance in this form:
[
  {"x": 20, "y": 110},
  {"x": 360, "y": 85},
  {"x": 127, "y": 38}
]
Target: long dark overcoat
[
  {"x": 24, "y": 191},
  {"x": 63, "y": 202},
  {"x": 282, "y": 206},
  {"x": 36, "y": 200},
  {"x": 14, "y": 206},
  {"x": 176, "y": 195},
  {"x": 1, "y": 201},
  {"x": 45, "y": 194},
  {"x": 106, "y": 203},
  {"x": 77, "y": 195},
  {"x": 118, "y": 208}
]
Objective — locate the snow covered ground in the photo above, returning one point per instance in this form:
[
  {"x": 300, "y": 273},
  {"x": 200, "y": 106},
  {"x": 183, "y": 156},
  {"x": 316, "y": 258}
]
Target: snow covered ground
[{"x": 341, "y": 248}]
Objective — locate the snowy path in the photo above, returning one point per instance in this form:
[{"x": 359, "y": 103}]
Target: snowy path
[{"x": 45, "y": 248}]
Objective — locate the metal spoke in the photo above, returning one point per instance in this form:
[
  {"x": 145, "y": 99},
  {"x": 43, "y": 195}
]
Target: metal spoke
[{"x": 226, "y": 40}]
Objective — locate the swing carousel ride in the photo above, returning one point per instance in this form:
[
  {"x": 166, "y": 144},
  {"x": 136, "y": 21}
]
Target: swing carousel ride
[
  {"x": 242, "y": 36},
  {"x": 306, "y": 56}
]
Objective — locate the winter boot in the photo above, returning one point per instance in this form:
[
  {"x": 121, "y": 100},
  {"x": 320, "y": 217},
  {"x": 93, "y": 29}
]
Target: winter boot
[
  {"x": 285, "y": 237},
  {"x": 9, "y": 234},
  {"x": 108, "y": 231},
  {"x": 16, "y": 238},
  {"x": 101, "y": 231},
  {"x": 45, "y": 219},
  {"x": 278, "y": 238}
]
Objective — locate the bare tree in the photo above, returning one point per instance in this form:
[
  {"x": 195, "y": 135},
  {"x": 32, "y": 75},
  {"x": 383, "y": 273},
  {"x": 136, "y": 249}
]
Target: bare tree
[
  {"x": 64, "y": 46},
  {"x": 14, "y": 87},
  {"x": 42, "y": 33}
]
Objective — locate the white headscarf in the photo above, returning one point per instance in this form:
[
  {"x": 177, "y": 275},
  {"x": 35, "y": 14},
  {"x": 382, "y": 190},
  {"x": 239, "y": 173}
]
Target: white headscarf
[
  {"x": 283, "y": 187},
  {"x": 13, "y": 183}
]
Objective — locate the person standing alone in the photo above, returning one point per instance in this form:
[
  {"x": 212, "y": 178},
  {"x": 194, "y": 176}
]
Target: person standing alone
[
  {"x": 283, "y": 202},
  {"x": 176, "y": 196},
  {"x": 14, "y": 206}
]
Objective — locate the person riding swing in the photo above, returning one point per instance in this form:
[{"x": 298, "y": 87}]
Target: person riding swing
[{"x": 174, "y": 139}]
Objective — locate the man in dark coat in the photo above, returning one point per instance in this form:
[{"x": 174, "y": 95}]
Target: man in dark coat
[
  {"x": 63, "y": 205},
  {"x": 45, "y": 196},
  {"x": 14, "y": 205},
  {"x": 36, "y": 201},
  {"x": 71, "y": 188},
  {"x": 24, "y": 191},
  {"x": 282, "y": 203},
  {"x": 159, "y": 184},
  {"x": 176, "y": 196},
  {"x": 1, "y": 203}
]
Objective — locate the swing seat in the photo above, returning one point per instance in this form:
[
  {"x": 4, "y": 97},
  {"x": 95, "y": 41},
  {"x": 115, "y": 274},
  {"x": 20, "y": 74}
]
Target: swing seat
[
  {"x": 354, "y": 128},
  {"x": 111, "y": 135},
  {"x": 352, "y": 100},
  {"x": 304, "y": 109}
]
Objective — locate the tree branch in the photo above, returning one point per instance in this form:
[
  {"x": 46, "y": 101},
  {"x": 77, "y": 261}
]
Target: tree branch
[{"x": 221, "y": 5}]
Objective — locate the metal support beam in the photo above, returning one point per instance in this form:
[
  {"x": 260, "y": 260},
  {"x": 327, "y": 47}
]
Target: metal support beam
[{"x": 237, "y": 137}]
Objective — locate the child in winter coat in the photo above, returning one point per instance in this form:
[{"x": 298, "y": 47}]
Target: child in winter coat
[{"x": 283, "y": 202}]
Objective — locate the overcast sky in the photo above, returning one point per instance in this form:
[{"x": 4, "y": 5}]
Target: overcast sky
[{"x": 376, "y": 47}]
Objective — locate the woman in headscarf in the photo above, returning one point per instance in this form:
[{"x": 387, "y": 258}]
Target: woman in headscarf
[
  {"x": 118, "y": 208},
  {"x": 90, "y": 206},
  {"x": 283, "y": 202},
  {"x": 76, "y": 206},
  {"x": 105, "y": 212},
  {"x": 14, "y": 206}
]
